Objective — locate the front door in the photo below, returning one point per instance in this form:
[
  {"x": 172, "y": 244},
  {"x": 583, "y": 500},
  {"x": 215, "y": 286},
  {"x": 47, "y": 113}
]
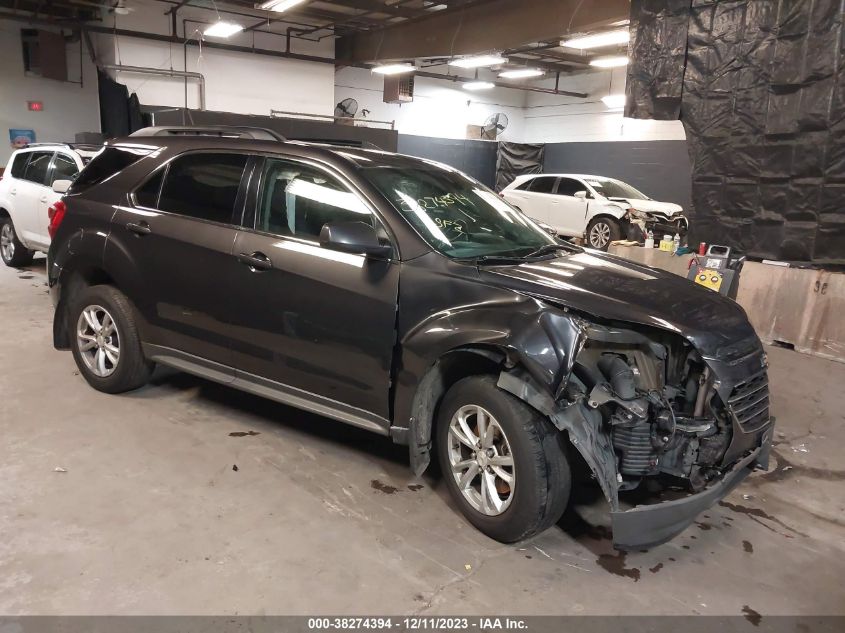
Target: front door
[
  {"x": 31, "y": 200},
  {"x": 179, "y": 234},
  {"x": 569, "y": 214},
  {"x": 314, "y": 321}
]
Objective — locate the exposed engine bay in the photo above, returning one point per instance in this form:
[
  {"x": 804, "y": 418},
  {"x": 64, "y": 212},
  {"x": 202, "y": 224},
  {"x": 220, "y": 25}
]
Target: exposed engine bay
[
  {"x": 656, "y": 402},
  {"x": 643, "y": 405}
]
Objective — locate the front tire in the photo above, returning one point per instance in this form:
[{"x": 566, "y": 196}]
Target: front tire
[
  {"x": 12, "y": 252},
  {"x": 602, "y": 231},
  {"x": 504, "y": 463},
  {"x": 105, "y": 341}
]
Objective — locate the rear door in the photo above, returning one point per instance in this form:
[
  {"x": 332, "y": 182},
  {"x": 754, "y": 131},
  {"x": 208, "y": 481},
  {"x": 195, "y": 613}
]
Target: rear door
[
  {"x": 569, "y": 214},
  {"x": 32, "y": 194},
  {"x": 313, "y": 322},
  {"x": 178, "y": 233},
  {"x": 535, "y": 197}
]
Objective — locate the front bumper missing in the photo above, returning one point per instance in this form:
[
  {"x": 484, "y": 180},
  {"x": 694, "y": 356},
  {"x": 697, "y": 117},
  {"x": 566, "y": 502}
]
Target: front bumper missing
[{"x": 649, "y": 525}]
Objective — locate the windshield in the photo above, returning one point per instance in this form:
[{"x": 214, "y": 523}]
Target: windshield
[
  {"x": 615, "y": 189},
  {"x": 456, "y": 215}
]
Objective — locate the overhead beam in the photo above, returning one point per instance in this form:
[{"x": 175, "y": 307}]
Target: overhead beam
[{"x": 480, "y": 27}]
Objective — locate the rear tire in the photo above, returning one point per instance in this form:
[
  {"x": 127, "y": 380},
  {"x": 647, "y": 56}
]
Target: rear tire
[
  {"x": 105, "y": 342},
  {"x": 13, "y": 253},
  {"x": 523, "y": 446},
  {"x": 602, "y": 231}
]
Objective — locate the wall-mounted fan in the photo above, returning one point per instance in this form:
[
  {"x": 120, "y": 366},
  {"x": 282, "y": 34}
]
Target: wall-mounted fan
[
  {"x": 494, "y": 126},
  {"x": 346, "y": 109}
]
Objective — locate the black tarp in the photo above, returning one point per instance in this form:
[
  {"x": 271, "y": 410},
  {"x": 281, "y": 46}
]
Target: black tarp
[
  {"x": 515, "y": 159},
  {"x": 758, "y": 85},
  {"x": 120, "y": 113},
  {"x": 114, "y": 106}
]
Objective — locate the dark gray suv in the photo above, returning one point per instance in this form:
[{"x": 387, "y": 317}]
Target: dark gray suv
[{"x": 402, "y": 296}]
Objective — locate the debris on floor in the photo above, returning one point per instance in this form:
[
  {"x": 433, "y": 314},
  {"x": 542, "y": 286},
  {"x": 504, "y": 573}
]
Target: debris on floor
[{"x": 59, "y": 469}]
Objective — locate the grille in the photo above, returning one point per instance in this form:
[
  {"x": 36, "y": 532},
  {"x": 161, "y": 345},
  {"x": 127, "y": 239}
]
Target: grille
[{"x": 749, "y": 402}]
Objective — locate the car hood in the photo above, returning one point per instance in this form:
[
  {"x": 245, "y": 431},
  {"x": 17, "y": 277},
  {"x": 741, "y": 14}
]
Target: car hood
[
  {"x": 616, "y": 289},
  {"x": 652, "y": 206}
]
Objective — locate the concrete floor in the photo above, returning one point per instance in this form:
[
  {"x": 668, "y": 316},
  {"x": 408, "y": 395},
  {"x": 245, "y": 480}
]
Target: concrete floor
[{"x": 152, "y": 517}]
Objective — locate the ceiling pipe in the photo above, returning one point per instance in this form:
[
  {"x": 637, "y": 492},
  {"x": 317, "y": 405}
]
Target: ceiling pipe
[
  {"x": 271, "y": 53},
  {"x": 162, "y": 72},
  {"x": 504, "y": 84}
]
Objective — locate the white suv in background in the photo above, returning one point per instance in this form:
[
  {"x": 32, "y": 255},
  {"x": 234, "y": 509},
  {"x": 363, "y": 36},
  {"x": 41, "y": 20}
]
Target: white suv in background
[
  {"x": 26, "y": 194},
  {"x": 596, "y": 208}
]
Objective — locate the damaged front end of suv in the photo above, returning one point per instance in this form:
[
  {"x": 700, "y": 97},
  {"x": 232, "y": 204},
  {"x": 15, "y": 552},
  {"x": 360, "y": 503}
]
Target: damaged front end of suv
[{"x": 645, "y": 407}]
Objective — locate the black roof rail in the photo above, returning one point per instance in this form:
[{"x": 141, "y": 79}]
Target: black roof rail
[
  {"x": 219, "y": 131},
  {"x": 339, "y": 142},
  {"x": 83, "y": 146}
]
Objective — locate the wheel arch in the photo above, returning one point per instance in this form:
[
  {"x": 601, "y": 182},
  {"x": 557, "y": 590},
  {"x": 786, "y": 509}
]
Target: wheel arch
[
  {"x": 454, "y": 365},
  {"x": 76, "y": 275}
]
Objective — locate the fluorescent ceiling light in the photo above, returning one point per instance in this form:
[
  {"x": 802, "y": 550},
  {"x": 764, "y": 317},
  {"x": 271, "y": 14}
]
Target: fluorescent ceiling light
[
  {"x": 394, "y": 69},
  {"x": 614, "y": 101},
  {"x": 479, "y": 61},
  {"x": 223, "y": 29},
  {"x": 608, "y": 38},
  {"x": 278, "y": 5},
  {"x": 609, "y": 62},
  {"x": 478, "y": 85},
  {"x": 522, "y": 73}
]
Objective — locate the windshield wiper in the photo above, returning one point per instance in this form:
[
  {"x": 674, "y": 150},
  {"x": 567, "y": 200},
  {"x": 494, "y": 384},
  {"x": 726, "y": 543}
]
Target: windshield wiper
[{"x": 546, "y": 249}]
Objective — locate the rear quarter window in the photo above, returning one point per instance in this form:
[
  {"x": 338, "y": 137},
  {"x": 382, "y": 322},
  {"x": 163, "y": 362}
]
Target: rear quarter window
[
  {"x": 106, "y": 164},
  {"x": 19, "y": 164}
]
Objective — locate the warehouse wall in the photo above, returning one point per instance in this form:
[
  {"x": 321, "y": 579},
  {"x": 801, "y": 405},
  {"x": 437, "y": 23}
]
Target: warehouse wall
[
  {"x": 440, "y": 108},
  {"x": 476, "y": 158},
  {"x": 235, "y": 82},
  {"x": 68, "y": 107},
  {"x": 551, "y": 118}
]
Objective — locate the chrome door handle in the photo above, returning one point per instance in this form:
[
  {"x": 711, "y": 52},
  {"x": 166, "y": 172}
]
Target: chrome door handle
[
  {"x": 139, "y": 229},
  {"x": 256, "y": 261}
]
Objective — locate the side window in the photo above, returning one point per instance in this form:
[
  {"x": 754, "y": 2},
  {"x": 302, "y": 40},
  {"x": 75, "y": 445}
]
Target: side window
[
  {"x": 526, "y": 185},
  {"x": 147, "y": 194},
  {"x": 203, "y": 186},
  {"x": 64, "y": 168},
  {"x": 543, "y": 184},
  {"x": 19, "y": 164},
  {"x": 36, "y": 168},
  {"x": 568, "y": 187},
  {"x": 297, "y": 200}
]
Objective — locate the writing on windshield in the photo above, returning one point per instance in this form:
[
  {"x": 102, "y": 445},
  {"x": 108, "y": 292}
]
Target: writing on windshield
[{"x": 455, "y": 214}]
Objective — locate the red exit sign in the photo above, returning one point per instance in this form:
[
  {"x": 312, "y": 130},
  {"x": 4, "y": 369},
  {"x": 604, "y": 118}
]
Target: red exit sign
[{"x": 35, "y": 106}]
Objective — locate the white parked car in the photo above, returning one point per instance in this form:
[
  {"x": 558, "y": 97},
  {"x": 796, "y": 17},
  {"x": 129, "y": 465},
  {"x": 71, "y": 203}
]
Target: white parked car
[
  {"x": 596, "y": 208},
  {"x": 26, "y": 194}
]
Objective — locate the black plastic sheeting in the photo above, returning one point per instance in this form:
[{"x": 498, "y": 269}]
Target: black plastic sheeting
[
  {"x": 758, "y": 85},
  {"x": 515, "y": 159}
]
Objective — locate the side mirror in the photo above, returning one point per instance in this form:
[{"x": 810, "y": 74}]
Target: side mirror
[
  {"x": 61, "y": 186},
  {"x": 357, "y": 238},
  {"x": 581, "y": 194}
]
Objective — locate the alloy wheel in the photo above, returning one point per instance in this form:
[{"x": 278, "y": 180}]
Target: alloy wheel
[
  {"x": 7, "y": 241},
  {"x": 98, "y": 340},
  {"x": 481, "y": 460},
  {"x": 600, "y": 235}
]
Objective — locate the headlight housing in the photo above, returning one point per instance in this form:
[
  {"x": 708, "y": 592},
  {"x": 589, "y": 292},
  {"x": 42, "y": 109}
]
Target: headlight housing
[{"x": 636, "y": 214}]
